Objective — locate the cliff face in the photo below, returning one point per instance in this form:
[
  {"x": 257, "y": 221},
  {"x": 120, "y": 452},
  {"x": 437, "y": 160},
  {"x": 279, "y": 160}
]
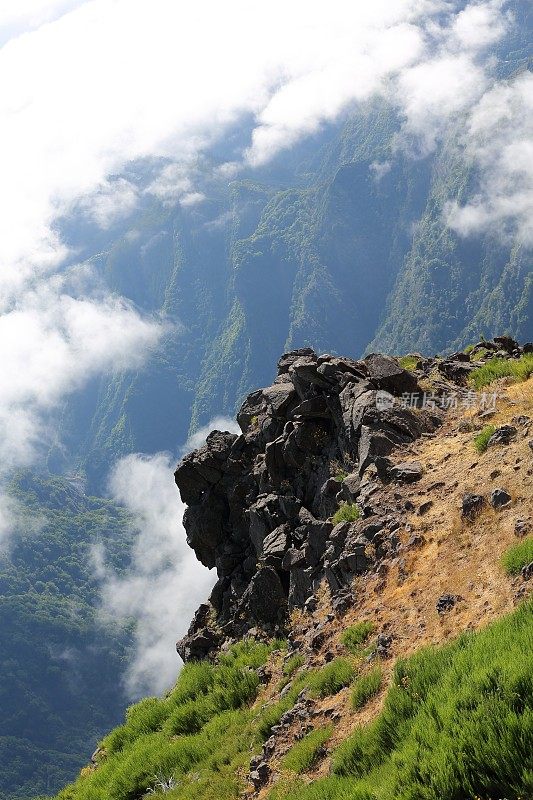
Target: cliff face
[
  {"x": 370, "y": 633},
  {"x": 295, "y": 499}
]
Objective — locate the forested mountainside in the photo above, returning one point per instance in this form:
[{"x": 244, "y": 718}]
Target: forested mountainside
[
  {"x": 370, "y": 633},
  {"x": 60, "y": 668},
  {"x": 340, "y": 243}
]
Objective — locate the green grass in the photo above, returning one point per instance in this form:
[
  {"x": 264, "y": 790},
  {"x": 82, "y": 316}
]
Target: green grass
[
  {"x": 346, "y": 512},
  {"x": 457, "y": 723},
  {"x": 366, "y": 687},
  {"x": 356, "y": 635},
  {"x": 293, "y": 664},
  {"x": 332, "y": 678},
  {"x": 304, "y": 754},
  {"x": 481, "y": 441},
  {"x": 341, "y": 475},
  {"x": 518, "y": 368},
  {"x": 408, "y": 362},
  {"x": 518, "y": 556}
]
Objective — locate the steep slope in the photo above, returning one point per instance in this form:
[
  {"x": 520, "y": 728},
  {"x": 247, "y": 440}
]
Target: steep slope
[
  {"x": 58, "y": 664},
  {"x": 360, "y": 527}
]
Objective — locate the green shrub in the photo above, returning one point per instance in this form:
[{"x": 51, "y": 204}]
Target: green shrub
[
  {"x": 341, "y": 475},
  {"x": 332, "y": 678},
  {"x": 366, "y": 687},
  {"x": 142, "y": 718},
  {"x": 190, "y": 717},
  {"x": 194, "y": 679},
  {"x": 518, "y": 368},
  {"x": 518, "y": 556},
  {"x": 481, "y": 441},
  {"x": 304, "y": 754},
  {"x": 408, "y": 362},
  {"x": 346, "y": 512},
  {"x": 356, "y": 635},
  {"x": 332, "y": 788},
  {"x": 293, "y": 664}
]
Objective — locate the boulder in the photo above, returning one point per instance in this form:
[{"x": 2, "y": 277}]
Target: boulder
[
  {"x": 386, "y": 373},
  {"x": 472, "y": 505},
  {"x": 500, "y": 498},
  {"x": 406, "y": 472},
  {"x": 264, "y": 600},
  {"x": 503, "y": 435}
]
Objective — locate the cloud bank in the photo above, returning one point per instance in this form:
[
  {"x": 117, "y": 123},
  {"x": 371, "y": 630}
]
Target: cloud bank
[
  {"x": 168, "y": 79},
  {"x": 165, "y": 583},
  {"x": 499, "y": 144}
]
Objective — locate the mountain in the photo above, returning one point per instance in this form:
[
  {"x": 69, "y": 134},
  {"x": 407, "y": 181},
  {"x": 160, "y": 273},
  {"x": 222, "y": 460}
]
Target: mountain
[
  {"x": 340, "y": 243},
  {"x": 370, "y": 632},
  {"x": 59, "y": 664}
]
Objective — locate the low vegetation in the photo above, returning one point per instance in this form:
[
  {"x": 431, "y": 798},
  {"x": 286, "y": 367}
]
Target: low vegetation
[
  {"x": 292, "y": 665},
  {"x": 346, "y": 512},
  {"x": 366, "y": 687},
  {"x": 518, "y": 556},
  {"x": 356, "y": 635},
  {"x": 408, "y": 362},
  {"x": 332, "y": 678},
  {"x": 518, "y": 368},
  {"x": 304, "y": 754},
  {"x": 457, "y": 723},
  {"x": 481, "y": 441}
]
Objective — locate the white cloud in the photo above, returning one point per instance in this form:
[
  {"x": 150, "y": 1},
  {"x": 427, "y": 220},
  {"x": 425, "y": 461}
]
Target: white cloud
[
  {"x": 161, "y": 79},
  {"x": 50, "y": 344},
  {"x": 165, "y": 583},
  {"x": 499, "y": 143},
  {"x": 216, "y": 424},
  {"x": 480, "y": 24},
  {"x": 109, "y": 202},
  {"x": 433, "y": 93}
]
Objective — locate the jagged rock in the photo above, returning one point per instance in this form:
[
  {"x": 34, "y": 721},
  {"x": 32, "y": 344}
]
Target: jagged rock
[
  {"x": 258, "y": 503},
  {"x": 275, "y": 546},
  {"x": 527, "y": 571},
  {"x": 260, "y": 775},
  {"x": 406, "y": 471},
  {"x": 287, "y": 359},
  {"x": 383, "y": 645},
  {"x": 472, "y": 505},
  {"x": 446, "y": 602},
  {"x": 506, "y": 343},
  {"x": 500, "y": 498},
  {"x": 264, "y": 600},
  {"x": 199, "y": 645},
  {"x": 521, "y": 527},
  {"x": 385, "y": 373},
  {"x": 455, "y": 370},
  {"x": 503, "y": 435}
]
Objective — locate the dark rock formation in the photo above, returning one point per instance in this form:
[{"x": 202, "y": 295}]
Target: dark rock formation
[
  {"x": 259, "y": 503},
  {"x": 500, "y": 498},
  {"x": 472, "y": 505}
]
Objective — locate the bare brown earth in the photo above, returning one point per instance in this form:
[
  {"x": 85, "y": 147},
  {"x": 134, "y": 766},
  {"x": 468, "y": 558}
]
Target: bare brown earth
[{"x": 453, "y": 556}]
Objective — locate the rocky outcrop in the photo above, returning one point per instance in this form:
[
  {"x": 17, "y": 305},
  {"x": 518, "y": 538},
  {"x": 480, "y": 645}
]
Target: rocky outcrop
[{"x": 259, "y": 504}]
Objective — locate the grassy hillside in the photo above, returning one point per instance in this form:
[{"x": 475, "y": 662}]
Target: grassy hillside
[
  {"x": 457, "y": 723},
  {"x": 395, "y": 697}
]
